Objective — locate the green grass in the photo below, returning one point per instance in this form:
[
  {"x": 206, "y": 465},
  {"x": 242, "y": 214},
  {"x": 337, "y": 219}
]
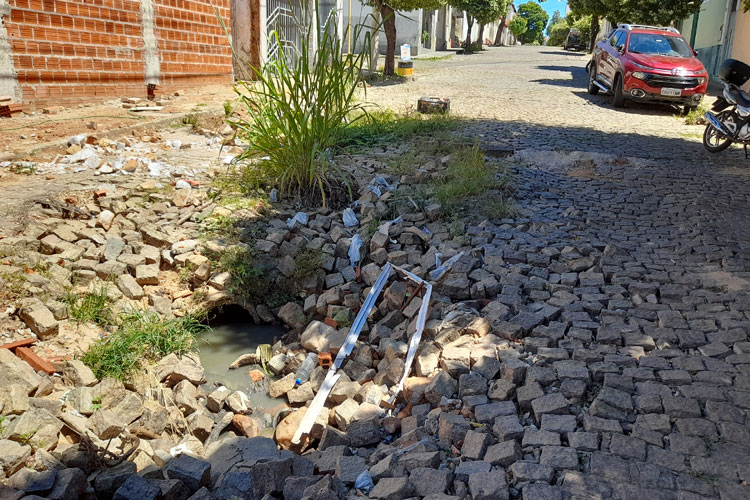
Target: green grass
[
  {"x": 387, "y": 128},
  {"x": 141, "y": 337},
  {"x": 434, "y": 58},
  {"x": 93, "y": 306},
  {"x": 467, "y": 178},
  {"x": 292, "y": 111},
  {"x": 696, "y": 117}
]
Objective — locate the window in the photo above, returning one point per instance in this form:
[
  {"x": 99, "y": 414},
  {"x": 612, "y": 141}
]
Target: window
[
  {"x": 659, "y": 45},
  {"x": 613, "y": 38}
]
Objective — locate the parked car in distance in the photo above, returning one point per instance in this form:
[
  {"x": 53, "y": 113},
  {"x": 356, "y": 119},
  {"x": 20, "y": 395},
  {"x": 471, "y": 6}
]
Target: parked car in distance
[
  {"x": 574, "y": 40},
  {"x": 647, "y": 64}
]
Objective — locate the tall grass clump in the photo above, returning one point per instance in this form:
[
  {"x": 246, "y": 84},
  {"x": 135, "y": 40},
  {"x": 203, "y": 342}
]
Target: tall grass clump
[
  {"x": 142, "y": 336},
  {"x": 93, "y": 306},
  {"x": 291, "y": 113}
]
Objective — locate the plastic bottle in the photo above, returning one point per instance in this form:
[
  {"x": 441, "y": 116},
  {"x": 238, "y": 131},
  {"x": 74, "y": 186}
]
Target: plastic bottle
[{"x": 307, "y": 366}]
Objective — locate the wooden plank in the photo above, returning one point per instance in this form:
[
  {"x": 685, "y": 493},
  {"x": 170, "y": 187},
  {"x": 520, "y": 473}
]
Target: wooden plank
[
  {"x": 34, "y": 360},
  {"x": 19, "y": 343}
]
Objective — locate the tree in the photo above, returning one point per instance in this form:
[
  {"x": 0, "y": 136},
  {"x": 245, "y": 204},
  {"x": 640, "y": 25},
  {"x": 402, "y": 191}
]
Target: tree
[
  {"x": 557, "y": 33},
  {"x": 556, "y": 19},
  {"x": 747, "y": 5},
  {"x": 501, "y": 27},
  {"x": 517, "y": 26},
  {"x": 652, "y": 12},
  {"x": 481, "y": 11},
  {"x": 388, "y": 10},
  {"x": 536, "y": 21},
  {"x": 593, "y": 8}
]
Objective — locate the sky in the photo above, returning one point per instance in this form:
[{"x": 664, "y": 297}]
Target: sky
[{"x": 550, "y": 6}]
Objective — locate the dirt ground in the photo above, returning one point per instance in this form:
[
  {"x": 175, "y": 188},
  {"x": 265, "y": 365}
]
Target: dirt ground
[{"x": 22, "y": 136}]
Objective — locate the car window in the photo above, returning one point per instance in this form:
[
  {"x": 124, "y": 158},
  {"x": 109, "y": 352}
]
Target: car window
[
  {"x": 660, "y": 45},
  {"x": 621, "y": 39},
  {"x": 613, "y": 38}
]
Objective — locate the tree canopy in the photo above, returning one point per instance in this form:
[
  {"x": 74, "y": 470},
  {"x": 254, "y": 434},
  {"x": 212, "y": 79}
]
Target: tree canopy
[
  {"x": 654, "y": 12},
  {"x": 536, "y": 20},
  {"x": 517, "y": 26}
]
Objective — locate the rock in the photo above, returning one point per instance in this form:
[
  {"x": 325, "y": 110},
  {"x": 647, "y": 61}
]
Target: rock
[
  {"x": 69, "y": 484},
  {"x": 13, "y": 456},
  {"x": 328, "y": 488},
  {"x": 200, "y": 425},
  {"x": 105, "y": 218},
  {"x": 147, "y": 274},
  {"x": 488, "y": 485},
  {"x": 364, "y": 433},
  {"x": 77, "y": 374},
  {"x": 392, "y": 488},
  {"x": 286, "y": 429},
  {"x": 14, "y": 400},
  {"x": 349, "y": 468},
  {"x": 17, "y": 372},
  {"x": 441, "y": 385},
  {"x": 108, "y": 481},
  {"x": 215, "y": 400},
  {"x": 187, "y": 368},
  {"x": 247, "y": 426},
  {"x": 191, "y": 471},
  {"x": 256, "y": 376},
  {"x": 282, "y": 386},
  {"x": 38, "y": 426},
  {"x": 552, "y": 403},
  {"x": 41, "y": 320},
  {"x": 129, "y": 287},
  {"x": 293, "y": 315},
  {"x": 137, "y": 488},
  {"x": 319, "y": 337},
  {"x": 426, "y": 481},
  {"x": 106, "y": 424},
  {"x": 238, "y": 402}
]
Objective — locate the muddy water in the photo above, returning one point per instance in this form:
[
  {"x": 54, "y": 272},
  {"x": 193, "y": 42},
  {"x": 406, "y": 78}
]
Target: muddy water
[{"x": 232, "y": 334}]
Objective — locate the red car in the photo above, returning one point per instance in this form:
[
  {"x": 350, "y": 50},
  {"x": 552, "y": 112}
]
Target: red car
[{"x": 647, "y": 64}]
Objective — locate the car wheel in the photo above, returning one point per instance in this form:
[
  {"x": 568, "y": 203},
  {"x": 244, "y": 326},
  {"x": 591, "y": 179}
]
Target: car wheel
[
  {"x": 618, "y": 98},
  {"x": 592, "y": 88}
]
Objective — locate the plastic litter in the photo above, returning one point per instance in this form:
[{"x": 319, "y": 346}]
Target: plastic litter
[
  {"x": 350, "y": 220},
  {"x": 355, "y": 248},
  {"x": 273, "y": 196},
  {"x": 303, "y": 372},
  {"x": 300, "y": 217},
  {"x": 364, "y": 482},
  {"x": 376, "y": 190},
  {"x": 441, "y": 270}
]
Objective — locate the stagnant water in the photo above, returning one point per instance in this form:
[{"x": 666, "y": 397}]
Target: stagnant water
[{"x": 232, "y": 334}]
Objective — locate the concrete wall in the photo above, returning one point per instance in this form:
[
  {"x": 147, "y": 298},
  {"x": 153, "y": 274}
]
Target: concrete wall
[
  {"x": 67, "y": 51},
  {"x": 408, "y": 27},
  {"x": 741, "y": 47}
]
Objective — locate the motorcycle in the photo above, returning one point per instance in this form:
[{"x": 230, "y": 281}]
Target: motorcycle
[{"x": 730, "y": 120}]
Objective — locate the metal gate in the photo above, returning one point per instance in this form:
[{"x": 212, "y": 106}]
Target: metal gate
[{"x": 284, "y": 17}]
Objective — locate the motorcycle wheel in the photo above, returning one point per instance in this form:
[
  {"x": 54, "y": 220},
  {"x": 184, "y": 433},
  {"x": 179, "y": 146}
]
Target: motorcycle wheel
[{"x": 713, "y": 140}]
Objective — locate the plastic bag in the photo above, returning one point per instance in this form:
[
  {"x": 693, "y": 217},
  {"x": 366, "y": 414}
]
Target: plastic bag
[
  {"x": 364, "y": 482},
  {"x": 300, "y": 217},
  {"x": 354, "y": 250},
  {"x": 274, "y": 196},
  {"x": 350, "y": 220}
]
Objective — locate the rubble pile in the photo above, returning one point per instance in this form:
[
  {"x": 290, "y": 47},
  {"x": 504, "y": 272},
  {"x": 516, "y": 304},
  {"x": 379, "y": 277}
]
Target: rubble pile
[{"x": 546, "y": 370}]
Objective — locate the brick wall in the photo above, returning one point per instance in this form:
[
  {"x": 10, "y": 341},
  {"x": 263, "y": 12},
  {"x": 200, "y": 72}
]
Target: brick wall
[{"x": 67, "y": 51}]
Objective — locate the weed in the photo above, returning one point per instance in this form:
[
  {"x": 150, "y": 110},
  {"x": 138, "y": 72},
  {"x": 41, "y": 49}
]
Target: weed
[
  {"x": 220, "y": 225},
  {"x": 24, "y": 168},
  {"x": 386, "y": 127},
  {"x": 141, "y": 336},
  {"x": 293, "y": 111},
  {"x": 93, "y": 306},
  {"x": 97, "y": 400},
  {"x": 228, "y": 108},
  {"x": 372, "y": 228},
  {"x": 25, "y": 438},
  {"x": 435, "y": 58},
  {"x": 467, "y": 176},
  {"x": 200, "y": 294},
  {"x": 12, "y": 287},
  {"x": 190, "y": 119},
  {"x": 2, "y": 424},
  {"x": 696, "y": 116},
  {"x": 186, "y": 273},
  {"x": 457, "y": 227},
  {"x": 498, "y": 207}
]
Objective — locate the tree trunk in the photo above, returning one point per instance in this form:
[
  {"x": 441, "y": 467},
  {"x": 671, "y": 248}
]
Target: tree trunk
[
  {"x": 470, "y": 24},
  {"x": 500, "y": 29},
  {"x": 594, "y": 32},
  {"x": 389, "y": 26},
  {"x": 481, "y": 35},
  {"x": 374, "y": 40}
]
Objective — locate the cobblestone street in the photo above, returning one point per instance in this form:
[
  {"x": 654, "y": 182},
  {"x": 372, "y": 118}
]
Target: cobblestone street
[{"x": 648, "y": 236}]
